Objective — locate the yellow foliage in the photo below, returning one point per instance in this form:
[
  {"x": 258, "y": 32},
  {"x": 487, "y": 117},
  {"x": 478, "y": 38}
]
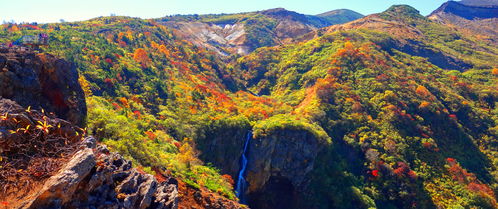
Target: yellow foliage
[{"x": 85, "y": 85}]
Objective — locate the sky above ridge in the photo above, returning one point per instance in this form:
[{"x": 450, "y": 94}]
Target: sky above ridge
[{"x": 44, "y": 11}]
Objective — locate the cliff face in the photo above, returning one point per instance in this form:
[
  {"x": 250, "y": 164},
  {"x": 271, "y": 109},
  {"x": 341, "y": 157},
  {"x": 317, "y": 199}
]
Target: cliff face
[
  {"x": 279, "y": 165},
  {"x": 42, "y": 81}
]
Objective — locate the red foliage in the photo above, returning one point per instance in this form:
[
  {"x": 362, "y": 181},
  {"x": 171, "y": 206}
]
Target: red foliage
[
  {"x": 177, "y": 145},
  {"x": 382, "y": 77},
  {"x": 427, "y": 145},
  {"x": 108, "y": 60},
  {"x": 116, "y": 106},
  {"x": 453, "y": 116},
  {"x": 109, "y": 82},
  {"x": 412, "y": 174},
  {"x": 404, "y": 170},
  {"x": 118, "y": 76},
  {"x": 451, "y": 161},
  {"x": 34, "y": 27},
  {"x": 122, "y": 43},
  {"x": 473, "y": 184},
  {"x": 137, "y": 114},
  {"x": 150, "y": 135},
  {"x": 375, "y": 173}
]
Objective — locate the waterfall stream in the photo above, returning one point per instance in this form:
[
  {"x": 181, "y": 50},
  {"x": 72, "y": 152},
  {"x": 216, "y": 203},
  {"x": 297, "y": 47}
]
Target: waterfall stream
[{"x": 241, "y": 182}]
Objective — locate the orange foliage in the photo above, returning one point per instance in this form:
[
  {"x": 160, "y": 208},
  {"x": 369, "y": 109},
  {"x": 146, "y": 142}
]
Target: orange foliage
[
  {"x": 124, "y": 101},
  {"x": 14, "y": 28},
  {"x": 228, "y": 178},
  {"x": 137, "y": 114},
  {"x": 424, "y": 105},
  {"x": 141, "y": 56},
  {"x": 404, "y": 171},
  {"x": 150, "y": 135},
  {"x": 494, "y": 71},
  {"x": 421, "y": 90}
]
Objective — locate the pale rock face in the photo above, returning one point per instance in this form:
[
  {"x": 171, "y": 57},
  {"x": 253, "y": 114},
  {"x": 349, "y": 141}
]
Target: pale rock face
[{"x": 213, "y": 37}]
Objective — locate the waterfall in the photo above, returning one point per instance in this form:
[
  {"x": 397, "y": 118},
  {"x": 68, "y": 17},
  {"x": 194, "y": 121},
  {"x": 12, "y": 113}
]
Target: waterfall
[{"x": 241, "y": 182}]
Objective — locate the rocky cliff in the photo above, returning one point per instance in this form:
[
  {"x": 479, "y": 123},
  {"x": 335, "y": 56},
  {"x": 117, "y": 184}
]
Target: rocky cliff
[
  {"x": 42, "y": 81},
  {"x": 279, "y": 165}
]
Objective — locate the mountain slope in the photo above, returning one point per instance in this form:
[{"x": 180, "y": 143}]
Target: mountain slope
[
  {"x": 416, "y": 35},
  {"x": 340, "y": 16},
  {"x": 403, "y": 130},
  {"x": 470, "y": 18},
  {"x": 479, "y": 2},
  {"x": 245, "y": 32}
]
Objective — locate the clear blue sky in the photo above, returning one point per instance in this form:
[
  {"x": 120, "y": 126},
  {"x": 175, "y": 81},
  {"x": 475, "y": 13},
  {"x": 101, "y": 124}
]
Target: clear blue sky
[{"x": 73, "y": 10}]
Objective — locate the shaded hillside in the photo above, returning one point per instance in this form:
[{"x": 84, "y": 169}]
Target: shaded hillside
[{"x": 245, "y": 32}]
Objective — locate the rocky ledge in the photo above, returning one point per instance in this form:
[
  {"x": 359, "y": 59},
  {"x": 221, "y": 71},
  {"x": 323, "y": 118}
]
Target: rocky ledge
[{"x": 96, "y": 178}]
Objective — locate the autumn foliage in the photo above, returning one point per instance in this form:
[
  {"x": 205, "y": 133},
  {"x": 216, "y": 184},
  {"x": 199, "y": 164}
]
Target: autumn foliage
[{"x": 141, "y": 56}]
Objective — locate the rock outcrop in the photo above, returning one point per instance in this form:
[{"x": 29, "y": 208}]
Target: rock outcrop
[
  {"x": 42, "y": 81},
  {"x": 280, "y": 164},
  {"x": 96, "y": 178}
]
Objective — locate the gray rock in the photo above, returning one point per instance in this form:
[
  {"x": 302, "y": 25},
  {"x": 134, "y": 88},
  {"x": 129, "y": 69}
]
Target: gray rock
[
  {"x": 58, "y": 189},
  {"x": 289, "y": 154},
  {"x": 100, "y": 180},
  {"x": 90, "y": 142}
]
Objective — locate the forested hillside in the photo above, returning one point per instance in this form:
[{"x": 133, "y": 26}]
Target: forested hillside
[{"x": 392, "y": 110}]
